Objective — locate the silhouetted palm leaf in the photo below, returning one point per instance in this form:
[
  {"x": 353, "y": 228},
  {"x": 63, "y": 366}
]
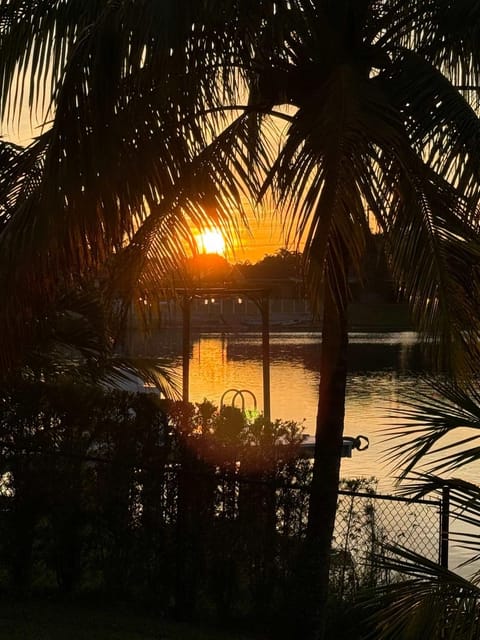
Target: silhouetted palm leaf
[
  {"x": 135, "y": 106},
  {"x": 74, "y": 342},
  {"x": 429, "y": 602},
  {"x": 430, "y": 420},
  {"x": 403, "y": 151}
]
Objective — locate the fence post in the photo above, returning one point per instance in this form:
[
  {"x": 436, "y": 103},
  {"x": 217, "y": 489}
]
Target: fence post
[{"x": 444, "y": 526}]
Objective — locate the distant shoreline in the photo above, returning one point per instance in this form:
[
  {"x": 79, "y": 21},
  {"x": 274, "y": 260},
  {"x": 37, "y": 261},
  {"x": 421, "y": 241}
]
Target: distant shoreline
[{"x": 369, "y": 318}]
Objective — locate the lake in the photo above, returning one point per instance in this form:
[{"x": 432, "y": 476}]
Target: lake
[{"x": 382, "y": 366}]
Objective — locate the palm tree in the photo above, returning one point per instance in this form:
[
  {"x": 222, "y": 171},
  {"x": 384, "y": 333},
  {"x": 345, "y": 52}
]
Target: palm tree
[
  {"x": 380, "y": 129},
  {"x": 124, "y": 166},
  {"x": 383, "y": 131}
]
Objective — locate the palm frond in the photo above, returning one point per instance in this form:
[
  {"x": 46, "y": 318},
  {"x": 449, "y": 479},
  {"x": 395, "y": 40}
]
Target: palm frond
[
  {"x": 74, "y": 342},
  {"x": 428, "y": 602},
  {"x": 425, "y": 228},
  {"x": 430, "y": 422},
  {"x": 445, "y": 33},
  {"x": 140, "y": 374}
]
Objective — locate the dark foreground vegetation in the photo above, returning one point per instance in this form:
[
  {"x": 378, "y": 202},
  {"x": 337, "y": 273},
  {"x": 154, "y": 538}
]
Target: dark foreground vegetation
[
  {"x": 196, "y": 514},
  {"x": 44, "y": 619},
  {"x": 128, "y": 517}
]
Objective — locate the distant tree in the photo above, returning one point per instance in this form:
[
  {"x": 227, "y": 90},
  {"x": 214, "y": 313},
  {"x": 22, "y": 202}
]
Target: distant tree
[
  {"x": 282, "y": 265},
  {"x": 203, "y": 270}
]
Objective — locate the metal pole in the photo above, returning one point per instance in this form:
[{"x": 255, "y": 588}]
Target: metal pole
[
  {"x": 265, "y": 310},
  {"x": 444, "y": 526},
  {"x": 186, "y": 348}
]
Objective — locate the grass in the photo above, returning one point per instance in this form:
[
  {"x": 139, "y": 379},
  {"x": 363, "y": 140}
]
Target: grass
[{"x": 47, "y": 620}]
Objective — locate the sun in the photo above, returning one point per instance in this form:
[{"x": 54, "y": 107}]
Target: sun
[{"x": 211, "y": 241}]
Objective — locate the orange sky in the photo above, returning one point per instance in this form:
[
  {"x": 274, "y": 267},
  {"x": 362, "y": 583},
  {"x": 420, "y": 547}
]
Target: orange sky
[{"x": 264, "y": 237}]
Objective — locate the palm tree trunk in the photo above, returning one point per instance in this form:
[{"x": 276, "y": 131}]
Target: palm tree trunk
[{"x": 326, "y": 466}]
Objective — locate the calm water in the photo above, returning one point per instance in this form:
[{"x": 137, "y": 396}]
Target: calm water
[{"x": 382, "y": 366}]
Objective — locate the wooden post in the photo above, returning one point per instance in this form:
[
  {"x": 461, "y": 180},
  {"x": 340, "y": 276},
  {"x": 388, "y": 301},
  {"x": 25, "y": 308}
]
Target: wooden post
[
  {"x": 265, "y": 311},
  {"x": 186, "y": 348}
]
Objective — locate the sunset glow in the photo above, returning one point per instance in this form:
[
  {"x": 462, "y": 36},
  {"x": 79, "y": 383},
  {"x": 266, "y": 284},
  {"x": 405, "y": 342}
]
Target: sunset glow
[{"x": 211, "y": 241}]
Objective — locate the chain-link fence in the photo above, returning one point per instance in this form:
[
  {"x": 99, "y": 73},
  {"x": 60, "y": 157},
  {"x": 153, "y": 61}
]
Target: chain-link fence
[{"x": 366, "y": 522}]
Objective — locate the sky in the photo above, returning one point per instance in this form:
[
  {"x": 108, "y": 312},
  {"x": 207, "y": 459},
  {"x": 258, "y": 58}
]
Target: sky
[{"x": 263, "y": 237}]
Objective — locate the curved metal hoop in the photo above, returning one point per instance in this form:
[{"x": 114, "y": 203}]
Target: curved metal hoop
[{"x": 241, "y": 394}]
